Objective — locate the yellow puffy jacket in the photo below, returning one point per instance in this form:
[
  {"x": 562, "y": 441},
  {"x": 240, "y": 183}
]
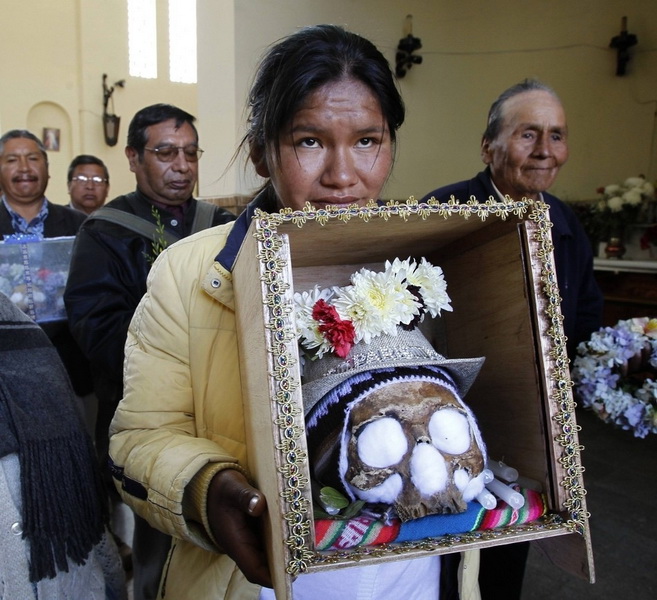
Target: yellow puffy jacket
[{"x": 181, "y": 418}]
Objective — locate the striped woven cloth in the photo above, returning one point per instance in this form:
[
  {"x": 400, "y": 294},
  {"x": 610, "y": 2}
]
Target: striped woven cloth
[{"x": 368, "y": 531}]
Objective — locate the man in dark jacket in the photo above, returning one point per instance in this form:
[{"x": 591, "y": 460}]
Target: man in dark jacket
[
  {"x": 524, "y": 146},
  {"x": 111, "y": 259},
  {"x": 24, "y": 209},
  {"x": 23, "y": 181}
]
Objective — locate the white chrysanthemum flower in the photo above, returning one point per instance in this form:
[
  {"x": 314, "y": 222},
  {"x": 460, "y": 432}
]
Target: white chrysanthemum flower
[
  {"x": 615, "y": 204},
  {"x": 633, "y": 197},
  {"x": 307, "y": 328},
  {"x": 431, "y": 281},
  {"x": 634, "y": 182},
  {"x": 376, "y": 303},
  {"x": 401, "y": 267},
  {"x": 612, "y": 189},
  {"x": 648, "y": 189}
]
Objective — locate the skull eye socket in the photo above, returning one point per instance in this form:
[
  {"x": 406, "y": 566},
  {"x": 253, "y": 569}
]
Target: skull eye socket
[
  {"x": 382, "y": 443},
  {"x": 450, "y": 431}
]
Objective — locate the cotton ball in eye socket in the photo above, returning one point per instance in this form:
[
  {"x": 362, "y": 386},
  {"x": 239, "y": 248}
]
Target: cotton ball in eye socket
[
  {"x": 449, "y": 431},
  {"x": 382, "y": 443}
]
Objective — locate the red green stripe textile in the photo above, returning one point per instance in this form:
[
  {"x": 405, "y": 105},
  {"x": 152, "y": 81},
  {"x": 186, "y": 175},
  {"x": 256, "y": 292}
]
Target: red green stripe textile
[
  {"x": 368, "y": 531},
  {"x": 359, "y": 531}
]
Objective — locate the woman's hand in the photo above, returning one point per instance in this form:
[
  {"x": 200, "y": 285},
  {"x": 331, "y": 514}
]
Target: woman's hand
[{"x": 234, "y": 508}]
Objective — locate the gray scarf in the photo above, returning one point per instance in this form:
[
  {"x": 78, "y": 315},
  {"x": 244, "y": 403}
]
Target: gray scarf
[{"x": 61, "y": 489}]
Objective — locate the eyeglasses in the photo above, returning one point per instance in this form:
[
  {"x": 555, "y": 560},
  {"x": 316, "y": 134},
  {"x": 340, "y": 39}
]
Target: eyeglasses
[
  {"x": 95, "y": 180},
  {"x": 168, "y": 154}
]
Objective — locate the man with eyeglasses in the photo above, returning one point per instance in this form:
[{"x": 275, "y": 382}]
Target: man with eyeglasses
[
  {"x": 113, "y": 254},
  {"x": 88, "y": 183}
]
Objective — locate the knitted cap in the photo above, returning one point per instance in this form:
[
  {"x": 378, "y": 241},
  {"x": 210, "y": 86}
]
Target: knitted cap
[{"x": 406, "y": 349}]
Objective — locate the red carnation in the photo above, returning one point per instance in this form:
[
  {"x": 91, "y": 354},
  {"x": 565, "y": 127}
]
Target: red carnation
[{"x": 338, "y": 332}]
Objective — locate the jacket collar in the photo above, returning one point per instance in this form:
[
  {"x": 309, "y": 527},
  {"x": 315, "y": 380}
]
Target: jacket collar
[
  {"x": 218, "y": 281},
  {"x": 560, "y": 226},
  {"x": 265, "y": 201}
]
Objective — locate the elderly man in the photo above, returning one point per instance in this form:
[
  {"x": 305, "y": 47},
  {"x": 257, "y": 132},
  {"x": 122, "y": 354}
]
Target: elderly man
[
  {"x": 88, "y": 183},
  {"x": 524, "y": 146},
  {"x": 112, "y": 256}
]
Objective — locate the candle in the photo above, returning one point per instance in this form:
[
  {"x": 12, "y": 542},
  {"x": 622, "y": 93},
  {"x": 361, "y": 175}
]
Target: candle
[
  {"x": 507, "y": 493},
  {"x": 408, "y": 25},
  {"x": 530, "y": 484},
  {"x": 486, "y": 499},
  {"x": 487, "y": 475},
  {"x": 502, "y": 471}
]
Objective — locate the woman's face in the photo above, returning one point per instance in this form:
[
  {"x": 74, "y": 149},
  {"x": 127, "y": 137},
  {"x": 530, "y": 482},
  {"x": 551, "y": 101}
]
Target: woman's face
[{"x": 336, "y": 149}]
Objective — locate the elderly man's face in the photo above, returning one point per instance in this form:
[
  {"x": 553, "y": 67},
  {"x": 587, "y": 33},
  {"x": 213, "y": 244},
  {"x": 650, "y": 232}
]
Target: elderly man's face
[{"x": 531, "y": 147}]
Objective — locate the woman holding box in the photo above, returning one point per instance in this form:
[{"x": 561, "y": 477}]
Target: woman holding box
[{"x": 324, "y": 111}]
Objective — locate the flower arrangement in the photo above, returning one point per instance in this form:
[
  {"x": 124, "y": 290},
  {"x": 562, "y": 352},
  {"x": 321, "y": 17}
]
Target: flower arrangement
[
  {"x": 334, "y": 319},
  {"x": 615, "y": 375},
  {"x": 621, "y": 205}
]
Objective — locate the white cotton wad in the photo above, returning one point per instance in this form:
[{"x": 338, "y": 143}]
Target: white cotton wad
[
  {"x": 428, "y": 470},
  {"x": 450, "y": 431},
  {"x": 382, "y": 443},
  {"x": 386, "y": 493}
]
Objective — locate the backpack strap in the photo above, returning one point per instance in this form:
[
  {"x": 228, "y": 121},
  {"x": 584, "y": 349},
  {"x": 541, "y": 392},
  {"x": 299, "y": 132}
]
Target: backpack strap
[
  {"x": 203, "y": 216},
  {"x": 133, "y": 223}
]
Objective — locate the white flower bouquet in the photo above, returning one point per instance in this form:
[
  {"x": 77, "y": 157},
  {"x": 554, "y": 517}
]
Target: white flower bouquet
[
  {"x": 334, "y": 319},
  {"x": 615, "y": 375},
  {"x": 621, "y": 204}
]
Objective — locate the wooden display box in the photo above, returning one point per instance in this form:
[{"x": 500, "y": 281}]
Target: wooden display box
[{"x": 498, "y": 264}]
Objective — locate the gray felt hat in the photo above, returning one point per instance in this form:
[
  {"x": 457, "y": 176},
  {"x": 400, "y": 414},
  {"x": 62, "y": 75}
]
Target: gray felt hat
[{"x": 406, "y": 349}]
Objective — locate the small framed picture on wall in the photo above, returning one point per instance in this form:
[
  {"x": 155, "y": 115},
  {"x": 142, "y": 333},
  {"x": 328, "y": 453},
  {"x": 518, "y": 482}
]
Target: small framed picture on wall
[{"x": 51, "y": 139}]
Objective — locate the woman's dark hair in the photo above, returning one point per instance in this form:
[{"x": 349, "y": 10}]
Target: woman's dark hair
[
  {"x": 304, "y": 61},
  {"x": 152, "y": 115}
]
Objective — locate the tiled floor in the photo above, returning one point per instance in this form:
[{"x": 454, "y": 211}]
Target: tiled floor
[{"x": 621, "y": 484}]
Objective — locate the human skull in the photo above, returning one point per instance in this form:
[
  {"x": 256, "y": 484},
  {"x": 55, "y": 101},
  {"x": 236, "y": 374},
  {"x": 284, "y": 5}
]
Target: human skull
[{"x": 415, "y": 445}]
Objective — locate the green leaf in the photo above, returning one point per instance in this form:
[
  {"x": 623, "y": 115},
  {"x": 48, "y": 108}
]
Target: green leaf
[
  {"x": 331, "y": 498},
  {"x": 352, "y": 510}
]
